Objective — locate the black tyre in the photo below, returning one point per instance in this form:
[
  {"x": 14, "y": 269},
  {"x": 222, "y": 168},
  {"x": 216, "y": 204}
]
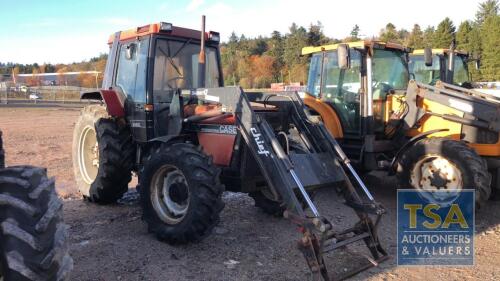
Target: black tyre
[
  {"x": 495, "y": 187},
  {"x": 2, "y": 153},
  {"x": 264, "y": 201},
  {"x": 103, "y": 155},
  {"x": 180, "y": 193},
  {"x": 33, "y": 237},
  {"x": 441, "y": 163}
]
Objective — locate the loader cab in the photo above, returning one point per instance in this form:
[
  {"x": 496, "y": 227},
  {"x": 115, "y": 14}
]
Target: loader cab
[
  {"x": 352, "y": 100},
  {"x": 430, "y": 74},
  {"x": 151, "y": 64},
  {"x": 356, "y": 93}
]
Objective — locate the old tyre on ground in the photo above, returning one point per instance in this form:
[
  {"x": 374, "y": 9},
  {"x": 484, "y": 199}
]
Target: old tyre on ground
[
  {"x": 265, "y": 201},
  {"x": 264, "y": 198},
  {"x": 2, "y": 153},
  {"x": 444, "y": 164},
  {"x": 103, "y": 155},
  {"x": 180, "y": 193},
  {"x": 33, "y": 237}
]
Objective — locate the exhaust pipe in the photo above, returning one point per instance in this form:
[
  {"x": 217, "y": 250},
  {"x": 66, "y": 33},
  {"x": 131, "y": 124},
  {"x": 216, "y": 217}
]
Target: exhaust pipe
[
  {"x": 451, "y": 63},
  {"x": 201, "y": 57}
]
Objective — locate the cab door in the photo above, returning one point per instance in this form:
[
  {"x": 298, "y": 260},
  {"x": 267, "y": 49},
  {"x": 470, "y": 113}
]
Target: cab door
[
  {"x": 341, "y": 89},
  {"x": 131, "y": 80}
]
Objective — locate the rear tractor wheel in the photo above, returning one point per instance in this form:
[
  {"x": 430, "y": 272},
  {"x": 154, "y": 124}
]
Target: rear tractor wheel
[
  {"x": 180, "y": 193},
  {"x": 103, "y": 155},
  {"x": 444, "y": 164}
]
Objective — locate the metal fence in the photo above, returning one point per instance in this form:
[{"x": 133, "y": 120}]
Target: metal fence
[{"x": 59, "y": 94}]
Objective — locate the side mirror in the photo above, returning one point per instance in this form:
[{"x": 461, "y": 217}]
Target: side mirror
[
  {"x": 428, "y": 56},
  {"x": 478, "y": 64},
  {"x": 130, "y": 51},
  {"x": 344, "y": 56}
]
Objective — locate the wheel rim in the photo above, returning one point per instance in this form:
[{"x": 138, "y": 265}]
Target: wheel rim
[
  {"x": 170, "y": 194},
  {"x": 434, "y": 172},
  {"x": 88, "y": 154}
]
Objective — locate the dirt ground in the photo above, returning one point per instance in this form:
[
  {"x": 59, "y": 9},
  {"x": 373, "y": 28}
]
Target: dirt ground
[{"x": 112, "y": 243}]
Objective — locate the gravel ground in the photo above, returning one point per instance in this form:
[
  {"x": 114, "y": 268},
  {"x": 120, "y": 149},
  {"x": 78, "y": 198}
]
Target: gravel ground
[{"x": 112, "y": 243}]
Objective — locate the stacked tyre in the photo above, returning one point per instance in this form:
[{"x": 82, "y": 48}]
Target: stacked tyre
[{"x": 33, "y": 236}]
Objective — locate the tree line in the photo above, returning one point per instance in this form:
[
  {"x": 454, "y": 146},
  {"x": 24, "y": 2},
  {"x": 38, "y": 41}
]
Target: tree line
[
  {"x": 258, "y": 62},
  {"x": 255, "y": 63}
]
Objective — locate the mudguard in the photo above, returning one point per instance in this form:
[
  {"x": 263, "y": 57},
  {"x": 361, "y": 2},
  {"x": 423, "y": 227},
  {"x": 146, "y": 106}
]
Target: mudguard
[
  {"x": 407, "y": 145},
  {"x": 115, "y": 105}
]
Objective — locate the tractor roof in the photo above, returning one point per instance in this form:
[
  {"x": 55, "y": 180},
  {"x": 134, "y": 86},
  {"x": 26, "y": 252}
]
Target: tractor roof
[
  {"x": 159, "y": 28},
  {"x": 439, "y": 52},
  {"x": 358, "y": 44}
]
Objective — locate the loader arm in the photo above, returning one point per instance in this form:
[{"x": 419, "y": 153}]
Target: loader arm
[
  {"x": 323, "y": 163},
  {"x": 484, "y": 109}
]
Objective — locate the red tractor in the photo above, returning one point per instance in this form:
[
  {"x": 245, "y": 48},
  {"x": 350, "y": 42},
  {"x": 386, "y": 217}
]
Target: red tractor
[
  {"x": 165, "y": 115},
  {"x": 33, "y": 236}
]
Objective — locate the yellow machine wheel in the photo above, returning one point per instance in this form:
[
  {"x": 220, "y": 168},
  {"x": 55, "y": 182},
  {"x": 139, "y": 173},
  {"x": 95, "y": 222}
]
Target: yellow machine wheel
[{"x": 444, "y": 164}]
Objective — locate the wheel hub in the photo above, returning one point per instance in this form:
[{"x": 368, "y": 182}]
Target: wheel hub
[
  {"x": 170, "y": 194},
  {"x": 88, "y": 154},
  {"x": 434, "y": 172}
]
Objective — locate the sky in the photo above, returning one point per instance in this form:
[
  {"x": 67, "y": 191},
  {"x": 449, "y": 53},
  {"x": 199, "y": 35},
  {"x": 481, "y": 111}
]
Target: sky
[{"x": 67, "y": 31}]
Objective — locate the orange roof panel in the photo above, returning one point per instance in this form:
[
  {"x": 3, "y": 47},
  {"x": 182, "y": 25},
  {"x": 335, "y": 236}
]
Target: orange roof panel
[{"x": 154, "y": 28}]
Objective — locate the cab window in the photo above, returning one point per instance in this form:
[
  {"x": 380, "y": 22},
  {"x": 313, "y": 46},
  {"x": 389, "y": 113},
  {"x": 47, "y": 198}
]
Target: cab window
[
  {"x": 176, "y": 66},
  {"x": 340, "y": 87},
  {"x": 421, "y": 72},
  {"x": 132, "y": 70}
]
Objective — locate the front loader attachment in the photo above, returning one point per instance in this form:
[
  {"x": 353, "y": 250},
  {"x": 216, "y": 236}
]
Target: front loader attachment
[{"x": 263, "y": 120}]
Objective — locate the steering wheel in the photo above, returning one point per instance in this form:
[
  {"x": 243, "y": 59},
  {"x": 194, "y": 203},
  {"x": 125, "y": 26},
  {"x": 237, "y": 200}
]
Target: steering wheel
[
  {"x": 380, "y": 85},
  {"x": 350, "y": 97}
]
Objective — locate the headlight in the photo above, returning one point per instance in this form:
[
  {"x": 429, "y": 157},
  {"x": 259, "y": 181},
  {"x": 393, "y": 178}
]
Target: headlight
[{"x": 214, "y": 36}]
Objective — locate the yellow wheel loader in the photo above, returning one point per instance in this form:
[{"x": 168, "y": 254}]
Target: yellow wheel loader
[{"x": 433, "y": 137}]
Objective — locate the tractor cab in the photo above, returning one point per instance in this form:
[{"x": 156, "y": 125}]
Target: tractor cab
[
  {"x": 351, "y": 82},
  {"x": 439, "y": 67},
  {"x": 148, "y": 65}
]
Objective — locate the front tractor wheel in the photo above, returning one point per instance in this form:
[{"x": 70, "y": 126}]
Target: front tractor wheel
[
  {"x": 103, "y": 156},
  {"x": 444, "y": 164},
  {"x": 180, "y": 193}
]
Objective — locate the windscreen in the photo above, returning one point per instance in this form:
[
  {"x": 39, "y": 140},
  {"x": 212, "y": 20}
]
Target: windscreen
[
  {"x": 176, "y": 66},
  {"x": 390, "y": 69},
  {"x": 422, "y": 73}
]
